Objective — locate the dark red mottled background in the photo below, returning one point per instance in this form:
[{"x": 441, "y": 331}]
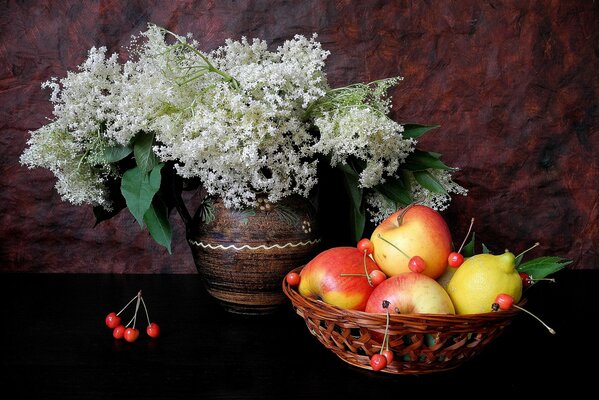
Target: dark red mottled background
[{"x": 513, "y": 84}]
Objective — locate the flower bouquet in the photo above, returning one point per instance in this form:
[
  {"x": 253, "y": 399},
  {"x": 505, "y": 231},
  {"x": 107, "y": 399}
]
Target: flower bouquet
[{"x": 240, "y": 123}]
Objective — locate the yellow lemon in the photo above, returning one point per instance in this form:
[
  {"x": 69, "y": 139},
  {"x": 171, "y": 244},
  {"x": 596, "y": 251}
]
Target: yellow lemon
[{"x": 475, "y": 284}]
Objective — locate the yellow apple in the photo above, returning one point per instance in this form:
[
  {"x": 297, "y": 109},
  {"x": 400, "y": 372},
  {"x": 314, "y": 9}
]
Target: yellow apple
[{"x": 416, "y": 230}]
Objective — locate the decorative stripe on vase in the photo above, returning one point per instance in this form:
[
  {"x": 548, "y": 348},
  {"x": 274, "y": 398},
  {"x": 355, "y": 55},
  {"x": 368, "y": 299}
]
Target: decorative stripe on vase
[{"x": 248, "y": 247}]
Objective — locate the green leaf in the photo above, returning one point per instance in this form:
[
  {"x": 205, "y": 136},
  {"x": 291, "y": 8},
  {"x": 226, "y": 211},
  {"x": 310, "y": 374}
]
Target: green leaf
[
  {"x": 138, "y": 189},
  {"x": 156, "y": 219},
  {"x": 428, "y": 181},
  {"x": 486, "y": 249},
  {"x": 422, "y": 160},
  {"x": 347, "y": 169},
  {"x": 358, "y": 214},
  {"x": 206, "y": 212},
  {"x": 414, "y": 131},
  {"x": 540, "y": 267},
  {"x": 116, "y": 153},
  {"x": 468, "y": 249},
  {"x": 395, "y": 190},
  {"x": 142, "y": 150}
]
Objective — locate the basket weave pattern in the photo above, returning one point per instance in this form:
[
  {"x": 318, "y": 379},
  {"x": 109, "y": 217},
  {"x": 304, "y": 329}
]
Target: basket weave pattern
[{"x": 422, "y": 343}]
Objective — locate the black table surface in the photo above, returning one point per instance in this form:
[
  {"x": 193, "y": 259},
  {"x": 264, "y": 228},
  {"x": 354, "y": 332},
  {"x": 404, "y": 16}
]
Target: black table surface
[{"x": 55, "y": 345}]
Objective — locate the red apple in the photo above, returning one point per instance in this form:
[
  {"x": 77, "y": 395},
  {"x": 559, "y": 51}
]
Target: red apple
[
  {"x": 325, "y": 277},
  {"x": 410, "y": 293},
  {"x": 419, "y": 231}
]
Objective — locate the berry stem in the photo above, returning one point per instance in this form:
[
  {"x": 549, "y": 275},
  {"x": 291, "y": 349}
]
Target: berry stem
[
  {"x": 366, "y": 270},
  {"x": 527, "y": 250},
  {"x": 537, "y": 318},
  {"x": 136, "y": 308},
  {"x": 467, "y": 234},
  {"x": 385, "y": 345},
  {"x": 127, "y": 305},
  {"x": 397, "y": 248},
  {"x": 146, "y": 309}
]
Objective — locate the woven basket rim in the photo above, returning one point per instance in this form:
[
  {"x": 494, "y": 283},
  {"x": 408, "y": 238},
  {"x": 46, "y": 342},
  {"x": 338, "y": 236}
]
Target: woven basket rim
[{"x": 330, "y": 311}]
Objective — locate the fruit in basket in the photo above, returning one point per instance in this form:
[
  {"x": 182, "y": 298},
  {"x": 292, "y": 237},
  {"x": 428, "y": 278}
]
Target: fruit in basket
[
  {"x": 477, "y": 282},
  {"x": 416, "y": 230},
  {"x": 337, "y": 276},
  {"x": 410, "y": 293},
  {"x": 444, "y": 279},
  {"x": 292, "y": 278},
  {"x": 378, "y": 362}
]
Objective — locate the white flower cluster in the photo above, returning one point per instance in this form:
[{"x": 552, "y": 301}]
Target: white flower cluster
[
  {"x": 240, "y": 141},
  {"x": 241, "y": 118},
  {"x": 71, "y": 145},
  {"x": 366, "y": 135}
]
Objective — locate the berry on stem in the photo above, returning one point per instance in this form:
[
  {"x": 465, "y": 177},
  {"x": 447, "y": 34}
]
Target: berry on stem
[
  {"x": 388, "y": 355},
  {"x": 293, "y": 278},
  {"x": 365, "y": 246},
  {"x": 504, "y": 301},
  {"x": 131, "y": 334},
  {"x": 378, "y": 362},
  {"x": 416, "y": 264},
  {"x": 118, "y": 332},
  {"x": 528, "y": 280},
  {"x": 112, "y": 320},
  {"x": 377, "y": 277},
  {"x": 455, "y": 258},
  {"x": 153, "y": 330}
]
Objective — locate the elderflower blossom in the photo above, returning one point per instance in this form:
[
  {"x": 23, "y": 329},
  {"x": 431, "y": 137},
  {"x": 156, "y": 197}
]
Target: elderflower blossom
[
  {"x": 72, "y": 144},
  {"x": 252, "y": 139},
  {"x": 367, "y": 136}
]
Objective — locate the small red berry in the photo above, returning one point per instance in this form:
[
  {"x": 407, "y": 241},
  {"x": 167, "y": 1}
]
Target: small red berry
[
  {"x": 416, "y": 264},
  {"x": 377, "y": 277},
  {"x": 388, "y": 355},
  {"x": 112, "y": 320},
  {"x": 131, "y": 334},
  {"x": 293, "y": 278},
  {"x": 378, "y": 362},
  {"x": 365, "y": 246},
  {"x": 504, "y": 301},
  {"x": 153, "y": 330},
  {"x": 455, "y": 259},
  {"x": 118, "y": 332},
  {"x": 526, "y": 281}
]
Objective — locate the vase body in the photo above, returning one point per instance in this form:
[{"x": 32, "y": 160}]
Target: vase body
[{"x": 244, "y": 255}]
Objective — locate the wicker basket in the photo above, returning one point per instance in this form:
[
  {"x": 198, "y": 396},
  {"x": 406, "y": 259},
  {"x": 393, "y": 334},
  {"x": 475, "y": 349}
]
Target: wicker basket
[{"x": 421, "y": 343}]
